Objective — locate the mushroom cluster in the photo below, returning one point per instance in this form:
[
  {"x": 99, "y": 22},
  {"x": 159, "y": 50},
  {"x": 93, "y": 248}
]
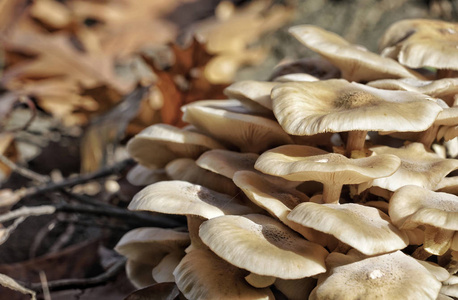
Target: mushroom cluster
[{"x": 310, "y": 187}]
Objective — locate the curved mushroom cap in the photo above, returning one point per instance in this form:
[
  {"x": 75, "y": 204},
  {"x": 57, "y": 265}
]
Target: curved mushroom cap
[
  {"x": 316, "y": 66},
  {"x": 186, "y": 169},
  {"x": 389, "y": 276},
  {"x": 203, "y": 275},
  {"x": 163, "y": 271},
  {"x": 355, "y": 63},
  {"x": 158, "y": 144},
  {"x": 445, "y": 88},
  {"x": 307, "y": 108},
  {"x": 227, "y": 162},
  {"x": 418, "y": 43},
  {"x": 257, "y": 91},
  {"x": 364, "y": 228},
  {"x": 418, "y": 167},
  {"x": 295, "y": 77},
  {"x": 411, "y": 206},
  {"x": 149, "y": 245},
  {"x": 302, "y": 163},
  {"x": 140, "y": 175},
  {"x": 263, "y": 246},
  {"x": 139, "y": 274},
  {"x": 184, "y": 198},
  {"x": 246, "y": 132}
]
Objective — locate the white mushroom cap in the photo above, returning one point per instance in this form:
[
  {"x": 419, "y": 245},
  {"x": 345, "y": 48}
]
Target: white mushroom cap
[
  {"x": 355, "y": 63},
  {"x": 201, "y": 275},
  {"x": 227, "y": 162},
  {"x": 184, "y": 198},
  {"x": 307, "y": 108},
  {"x": 163, "y": 271},
  {"x": 158, "y": 144},
  {"x": 251, "y": 90},
  {"x": 418, "y": 43},
  {"x": 263, "y": 246},
  {"x": 247, "y": 132},
  {"x": 389, "y": 276},
  {"x": 364, "y": 228},
  {"x": 140, "y": 175},
  {"x": 418, "y": 167}
]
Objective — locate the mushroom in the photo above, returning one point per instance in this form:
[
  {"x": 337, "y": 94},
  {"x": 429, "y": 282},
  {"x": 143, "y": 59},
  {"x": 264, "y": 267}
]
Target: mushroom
[
  {"x": 302, "y": 163},
  {"x": 389, "y": 276},
  {"x": 355, "y": 62},
  {"x": 412, "y": 206},
  {"x": 251, "y": 90},
  {"x": 422, "y": 43},
  {"x": 316, "y": 67},
  {"x": 140, "y": 175},
  {"x": 418, "y": 167},
  {"x": 308, "y": 108},
  {"x": 364, "y": 228},
  {"x": 159, "y": 144},
  {"x": 203, "y": 275},
  {"x": 263, "y": 246},
  {"x": 246, "y": 132},
  {"x": 146, "y": 247}
]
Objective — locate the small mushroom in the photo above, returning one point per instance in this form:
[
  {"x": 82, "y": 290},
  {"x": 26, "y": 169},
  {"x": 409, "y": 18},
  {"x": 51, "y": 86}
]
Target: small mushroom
[
  {"x": 250, "y": 90},
  {"x": 302, "y": 163},
  {"x": 412, "y": 206},
  {"x": 364, "y": 228}
]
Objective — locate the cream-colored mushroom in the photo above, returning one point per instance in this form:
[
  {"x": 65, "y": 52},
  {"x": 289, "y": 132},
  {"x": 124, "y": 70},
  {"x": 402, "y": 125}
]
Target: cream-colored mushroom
[
  {"x": 355, "y": 63},
  {"x": 263, "y": 246},
  {"x": 302, "y": 163},
  {"x": 308, "y": 108},
  {"x": 251, "y": 90},
  {"x": 364, "y": 228}
]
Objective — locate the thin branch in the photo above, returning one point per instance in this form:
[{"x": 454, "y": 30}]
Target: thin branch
[
  {"x": 67, "y": 284},
  {"x": 27, "y": 212},
  {"x": 23, "y": 171}
]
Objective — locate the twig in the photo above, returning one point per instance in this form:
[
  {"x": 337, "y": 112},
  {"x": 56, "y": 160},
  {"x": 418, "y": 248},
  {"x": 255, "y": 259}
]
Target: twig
[
  {"x": 23, "y": 171},
  {"x": 67, "y": 284},
  {"x": 27, "y": 212}
]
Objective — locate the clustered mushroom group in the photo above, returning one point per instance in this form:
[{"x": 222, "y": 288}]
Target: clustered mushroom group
[{"x": 310, "y": 186}]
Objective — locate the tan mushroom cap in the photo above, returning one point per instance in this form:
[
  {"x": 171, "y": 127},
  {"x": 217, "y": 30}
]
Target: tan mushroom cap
[
  {"x": 139, "y": 274},
  {"x": 316, "y": 67},
  {"x": 140, "y": 175},
  {"x": 257, "y": 91},
  {"x": 307, "y": 108},
  {"x": 296, "y": 289},
  {"x": 303, "y": 163},
  {"x": 226, "y": 162},
  {"x": 296, "y": 77},
  {"x": 389, "y": 276},
  {"x": 247, "y": 132},
  {"x": 158, "y": 144},
  {"x": 418, "y": 167},
  {"x": 160, "y": 291},
  {"x": 149, "y": 245},
  {"x": 445, "y": 88},
  {"x": 263, "y": 246},
  {"x": 184, "y": 198},
  {"x": 355, "y": 63},
  {"x": 413, "y": 206},
  {"x": 186, "y": 169},
  {"x": 364, "y": 228},
  {"x": 203, "y": 275},
  {"x": 418, "y": 43},
  {"x": 163, "y": 271}
]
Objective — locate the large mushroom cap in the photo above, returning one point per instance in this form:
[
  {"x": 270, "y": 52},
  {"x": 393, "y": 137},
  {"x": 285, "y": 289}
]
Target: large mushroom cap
[
  {"x": 307, "y": 108},
  {"x": 364, "y": 228},
  {"x": 355, "y": 63},
  {"x": 263, "y": 246},
  {"x": 389, "y": 276},
  {"x": 418, "y": 43},
  {"x": 159, "y": 144}
]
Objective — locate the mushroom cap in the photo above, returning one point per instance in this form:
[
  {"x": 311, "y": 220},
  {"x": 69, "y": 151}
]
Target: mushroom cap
[
  {"x": 316, "y": 67},
  {"x": 263, "y": 246},
  {"x": 295, "y": 77},
  {"x": 158, "y": 144},
  {"x": 203, "y": 275},
  {"x": 411, "y": 206},
  {"x": 139, "y": 274},
  {"x": 389, "y": 276},
  {"x": 364, "y": 228},
  {"x": 247, "y": 132},
  {"x": 355, "y": 63},
  {"x": 186, "y": 169},
  {"x": 149, "y": 245},
  {"x": 418, "y": 167},
  {"x": 163, "y": 271},
  {"x": 307, "y": 108},
  {"x": 418, "y": 43},
  {"x": 184, "y": 198},
  {"x": 140, "y": 175},
  {"x": 226, "y": 162},
  {"x": 251, "y": 90},
  {"x": 302, "y": 163}
]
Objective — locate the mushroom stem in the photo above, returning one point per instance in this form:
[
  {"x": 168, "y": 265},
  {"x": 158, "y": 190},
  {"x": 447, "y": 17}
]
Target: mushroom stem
[
  {"x": 331, "y": 192},
  {"x": 428, "y": 136},
  {"x": 355, "y": 141},
  {"x": 194, "y": 223},
  {"x": 421, "y": 254}
]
